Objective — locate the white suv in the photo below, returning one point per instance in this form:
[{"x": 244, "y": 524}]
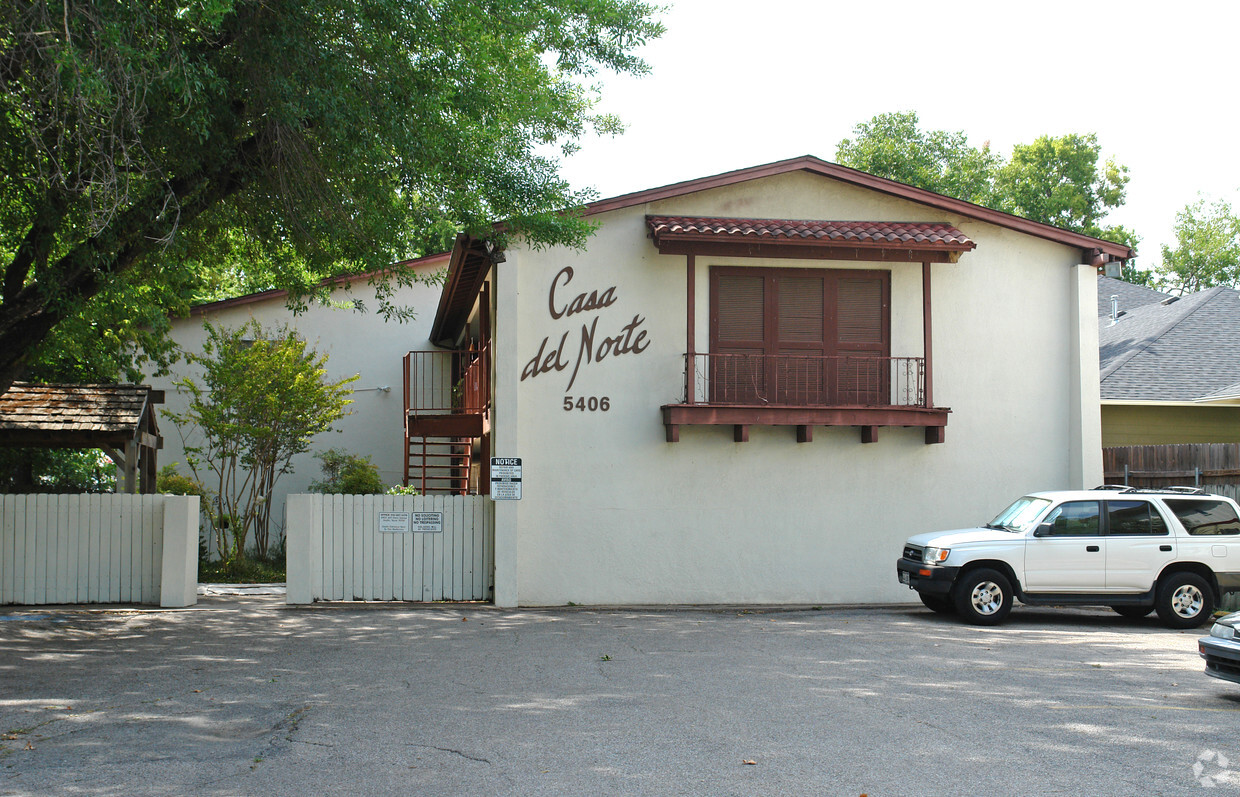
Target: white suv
[{"x": 1174, "y": 550}]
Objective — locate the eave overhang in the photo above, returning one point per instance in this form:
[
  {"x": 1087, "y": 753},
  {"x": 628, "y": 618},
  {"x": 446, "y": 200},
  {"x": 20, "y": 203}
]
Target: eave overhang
[
  {"x": 917, "y": 242},
  {"x": 468, "y": 268}
]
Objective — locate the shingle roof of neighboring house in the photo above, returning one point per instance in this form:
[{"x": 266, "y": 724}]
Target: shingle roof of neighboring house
[
  {"x": 1184, "y": 350},
  {"x": 1128, "y": 295}
]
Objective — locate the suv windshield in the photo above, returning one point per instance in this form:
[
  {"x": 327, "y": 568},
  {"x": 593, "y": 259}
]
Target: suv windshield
[{"x": 1020, "y": 515}]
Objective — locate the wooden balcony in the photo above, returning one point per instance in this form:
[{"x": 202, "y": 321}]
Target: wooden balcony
[{"x": 743, "y": 390}]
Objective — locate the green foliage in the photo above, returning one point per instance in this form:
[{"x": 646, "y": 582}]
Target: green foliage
[
  {"x": 1059, "y": 181},
  {"x": 402, "y": 489},
  {"x": 200, "y": 148},
  {"x": 892, "y": 145},
  {"x": 263, "y": 396},
  {"x": 170, "y": 482},
  {"x": 347, "y": 474},
  {"x": 256, "y": 570},
  {"x": 1207, "y": 250},
  {"x": 50, "y": 470},
  {"x": 1054, "y": 180}
]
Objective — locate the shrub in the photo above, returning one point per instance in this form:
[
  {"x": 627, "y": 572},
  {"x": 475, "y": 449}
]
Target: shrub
[{"x": 347, "y": 474}]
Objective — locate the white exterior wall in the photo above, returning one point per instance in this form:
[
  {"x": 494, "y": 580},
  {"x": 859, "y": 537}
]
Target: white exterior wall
[
  {"x": 356, "y": 343},
  {"x": 612, "y": 513}
]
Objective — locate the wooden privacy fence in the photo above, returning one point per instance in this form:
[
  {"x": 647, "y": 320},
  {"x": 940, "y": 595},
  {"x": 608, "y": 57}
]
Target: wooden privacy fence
[
  {"x": 1197, "y": 464},
  {"x": 99, "y": 549},
  {"x": 385, "y": 547}
]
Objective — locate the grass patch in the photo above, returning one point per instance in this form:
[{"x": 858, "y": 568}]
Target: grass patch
[{"x": 246, "y": 571}]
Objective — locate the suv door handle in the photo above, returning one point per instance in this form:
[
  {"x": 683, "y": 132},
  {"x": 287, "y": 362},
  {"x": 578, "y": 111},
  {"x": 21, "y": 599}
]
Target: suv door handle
[
  {"x": 1091, "y": 548},
  {"x": 1164, "y": 547}
]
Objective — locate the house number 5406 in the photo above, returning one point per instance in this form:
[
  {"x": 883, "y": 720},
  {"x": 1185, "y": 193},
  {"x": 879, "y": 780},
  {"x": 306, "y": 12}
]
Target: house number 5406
[{"x": 587, "y": 403}]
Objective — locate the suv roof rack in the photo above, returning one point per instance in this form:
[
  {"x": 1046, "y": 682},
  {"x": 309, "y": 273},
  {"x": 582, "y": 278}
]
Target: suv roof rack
[{"x": 1177, "y": 490}]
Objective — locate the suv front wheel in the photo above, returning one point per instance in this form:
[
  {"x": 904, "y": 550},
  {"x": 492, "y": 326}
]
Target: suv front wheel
[
  {"x": 1185, "y": 600},
  {"x": 983, "y": 596}
]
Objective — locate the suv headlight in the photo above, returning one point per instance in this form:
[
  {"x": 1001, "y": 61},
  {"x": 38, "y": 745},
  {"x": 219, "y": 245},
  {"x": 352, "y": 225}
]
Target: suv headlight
[
  {"x": 1223, "y": 631},
  {"x": 934, "y": 556}
]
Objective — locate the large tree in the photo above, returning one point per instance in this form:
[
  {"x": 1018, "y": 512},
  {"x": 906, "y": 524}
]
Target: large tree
[
  {"x": 140, "y": 140},
  {"x": 1207, "y": 248},
  {"x": 1054, "y": 180},
  {"x": 893, "y": 145}
]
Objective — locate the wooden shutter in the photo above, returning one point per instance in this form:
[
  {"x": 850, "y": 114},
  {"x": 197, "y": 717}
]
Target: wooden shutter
[
  {"x": 739, "y": 336},
  {"x": 800, "y": 326},
  {"x": 861, "y": 339}
]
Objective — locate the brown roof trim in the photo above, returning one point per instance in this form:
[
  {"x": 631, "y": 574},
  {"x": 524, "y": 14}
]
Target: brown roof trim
[
  {"x": 1092, "y": 248},
  {"x": 467, "y": 269},
  {"x": 262, "y": 296}
]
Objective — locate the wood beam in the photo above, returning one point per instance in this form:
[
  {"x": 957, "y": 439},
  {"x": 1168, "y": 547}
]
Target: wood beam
[
  {"x": 805, "y": 433},
  {"x": 925, "y": 332},
  {"x": 740, "y": 433},
  {"x": 691, "y": 326},
  {"x": 869, "y": 434}
]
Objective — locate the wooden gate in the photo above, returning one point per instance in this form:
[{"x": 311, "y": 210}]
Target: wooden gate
[{"x": 384, "y": 548}]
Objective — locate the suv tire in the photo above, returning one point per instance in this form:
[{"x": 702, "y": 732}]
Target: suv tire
[
  {"x": 983, "y": 596},
  {"x": 1132, "y": 611},
  {"x": 939, "y": 604},
  {"x": 1185, "y": 600}
]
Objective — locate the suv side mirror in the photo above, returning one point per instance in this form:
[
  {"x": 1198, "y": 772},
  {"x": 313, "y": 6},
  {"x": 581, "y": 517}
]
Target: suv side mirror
[{"x": 1043, "y": 530}]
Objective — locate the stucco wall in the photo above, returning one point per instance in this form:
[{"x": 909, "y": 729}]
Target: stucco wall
[
  {"x": 1127, "y": 425},
  {"x": 356, "y": 343},
  {"x": 612, "y": 513}
]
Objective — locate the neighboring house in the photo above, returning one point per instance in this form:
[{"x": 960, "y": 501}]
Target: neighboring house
[
  {"x": 356, "y": 343},
  {"x": 1119, "y": 297},
  {"x": 754, "y": 386},
  {"x": 1170, "y": 367}
]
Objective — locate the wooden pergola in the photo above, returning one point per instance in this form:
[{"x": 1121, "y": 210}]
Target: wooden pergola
[{"x": 119, "y": 419}]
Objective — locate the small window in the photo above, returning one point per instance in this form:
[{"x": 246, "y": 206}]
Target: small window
[
  {"x": 1205, "y": 517},
  {"x": 1126, "y": 518},
  {"x": 1074, "y": 519}
]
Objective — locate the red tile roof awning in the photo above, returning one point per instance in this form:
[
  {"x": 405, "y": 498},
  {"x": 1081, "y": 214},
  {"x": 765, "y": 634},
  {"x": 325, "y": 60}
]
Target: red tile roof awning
[{"x": 834, "y": 240}]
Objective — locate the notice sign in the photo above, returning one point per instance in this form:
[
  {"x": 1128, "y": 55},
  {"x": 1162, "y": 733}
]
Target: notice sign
[
  {"x": 505, "y": 478},
  {"x": 428, "y": 522},
  {"x": 410, "y": 522},
  {"x": 395, "y": 522}
]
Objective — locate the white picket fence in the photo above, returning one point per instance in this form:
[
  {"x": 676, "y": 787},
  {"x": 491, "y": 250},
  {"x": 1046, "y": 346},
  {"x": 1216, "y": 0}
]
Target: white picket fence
[
  {"x": 98, "y": 549},
  {"x": 336, "y": 550}
]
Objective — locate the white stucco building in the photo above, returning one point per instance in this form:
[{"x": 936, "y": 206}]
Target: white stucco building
[{"x": 750, "y": 387}]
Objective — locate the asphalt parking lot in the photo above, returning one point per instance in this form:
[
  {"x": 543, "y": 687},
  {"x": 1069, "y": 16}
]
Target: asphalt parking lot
[{"x": 246, "y": 696}]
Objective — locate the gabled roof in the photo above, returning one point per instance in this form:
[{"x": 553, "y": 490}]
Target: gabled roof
[
  {"x": 439, "y": 259},
  {"x": 1097, "y": 250},
  {"x": 461, "y": 289},
  {"x": 53, "y": 415},
  {"x": 1183, "y": 350},
  {"x": 1128, "y": 296}
]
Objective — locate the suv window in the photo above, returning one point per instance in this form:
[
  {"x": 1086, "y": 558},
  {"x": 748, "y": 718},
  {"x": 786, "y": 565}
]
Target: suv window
[
  {"x": 1134, "y": 517},
  {"x": 1205, "y": 517},
  {"x": 1074, "y": 519}
]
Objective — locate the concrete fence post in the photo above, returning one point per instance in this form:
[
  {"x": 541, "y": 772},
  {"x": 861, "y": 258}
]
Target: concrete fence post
[
  {"x": 178, "y": 584},
  {"x": 298, "y": 522}
]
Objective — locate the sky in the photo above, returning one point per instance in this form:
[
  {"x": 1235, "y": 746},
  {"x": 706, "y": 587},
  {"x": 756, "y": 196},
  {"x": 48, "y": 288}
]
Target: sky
[{"x": 738, "y": 84}]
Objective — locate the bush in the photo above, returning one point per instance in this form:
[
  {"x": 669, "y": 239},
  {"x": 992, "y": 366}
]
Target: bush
[
  {"x": 170, "y": 482},
  {"x": 347, "y": 474},
  {"x": 402, "y": 489}
]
